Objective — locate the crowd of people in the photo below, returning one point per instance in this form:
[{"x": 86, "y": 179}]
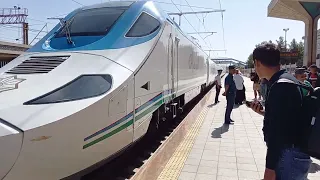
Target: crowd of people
[
  {"x": 235, "y": 89},
  {"x": 280, "y": 104},
  {"x": 307, "y": 76}
]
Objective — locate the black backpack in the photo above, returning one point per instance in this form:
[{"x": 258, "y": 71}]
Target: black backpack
[{"x": 311, "y": 114}]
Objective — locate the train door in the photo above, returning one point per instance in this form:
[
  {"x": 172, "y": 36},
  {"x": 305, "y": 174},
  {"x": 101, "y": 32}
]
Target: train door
[
  {"x": 175, "y": 64},
  {"x": 170, "y": 69},
  {"x": 208, "y": 71}
]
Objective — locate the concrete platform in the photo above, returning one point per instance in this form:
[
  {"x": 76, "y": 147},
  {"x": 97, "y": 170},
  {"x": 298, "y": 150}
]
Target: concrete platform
[{"x": 213, "y": 151}]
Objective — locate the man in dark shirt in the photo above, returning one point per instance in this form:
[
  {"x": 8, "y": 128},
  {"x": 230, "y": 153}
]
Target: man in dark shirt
[
  {"x": 230, "y": 93},
  {"x": 285, "y": 158}
]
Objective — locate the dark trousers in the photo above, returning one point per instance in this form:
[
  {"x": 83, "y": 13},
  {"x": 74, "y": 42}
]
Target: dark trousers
[
  {"x": 217, "y": 93},
  {"x": 230, "y": 103},
  {"x": 240, "y": 96}
]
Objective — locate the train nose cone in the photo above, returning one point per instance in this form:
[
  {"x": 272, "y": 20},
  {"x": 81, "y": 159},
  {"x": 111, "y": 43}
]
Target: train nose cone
[{"x": 10, "y": 146}]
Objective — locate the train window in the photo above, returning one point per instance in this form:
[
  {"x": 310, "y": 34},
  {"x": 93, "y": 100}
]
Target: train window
[
  {"x": 144, "y": 26},
  {"x": 92, "y": 22},
  {"x": 85, "y": 86}
]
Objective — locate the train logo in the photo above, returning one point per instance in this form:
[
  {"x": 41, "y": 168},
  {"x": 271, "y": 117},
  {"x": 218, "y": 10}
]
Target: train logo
[{"x": 9, "y": 83}]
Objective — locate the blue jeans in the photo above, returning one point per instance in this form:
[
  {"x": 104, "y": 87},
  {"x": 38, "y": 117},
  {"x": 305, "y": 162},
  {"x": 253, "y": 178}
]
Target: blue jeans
[
  {"x": 293, "y": 165},
  {"x": 230, "y": 103}
]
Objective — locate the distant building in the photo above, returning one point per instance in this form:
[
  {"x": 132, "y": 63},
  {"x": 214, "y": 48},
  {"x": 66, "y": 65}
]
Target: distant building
[
  {"x": 9, "y": 51},
  {"x": 225, "y": 62}
]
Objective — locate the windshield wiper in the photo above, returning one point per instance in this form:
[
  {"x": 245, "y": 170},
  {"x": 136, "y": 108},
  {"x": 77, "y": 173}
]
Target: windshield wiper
[{"x": 64, "y": 25}]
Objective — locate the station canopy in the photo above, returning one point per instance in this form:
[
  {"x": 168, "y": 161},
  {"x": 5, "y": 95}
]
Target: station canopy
[{"x": 294, "y": 9}]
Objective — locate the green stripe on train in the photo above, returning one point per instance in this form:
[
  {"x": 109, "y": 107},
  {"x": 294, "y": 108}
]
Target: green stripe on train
[{"x": 127, "y": 124}]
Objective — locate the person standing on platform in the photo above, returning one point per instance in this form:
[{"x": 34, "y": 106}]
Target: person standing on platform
[
  {"x": 256, "y": 85},
  {"x": 300, "y": 74},
  {"x": 217, "y": 81},
  {"x": 313, "y": 76},
  {"x": 230, "y": 93},
  {"x": 238, "y": 80},
  {"x": 243, "y": 92},
  {"x": 282, "y": 123}
]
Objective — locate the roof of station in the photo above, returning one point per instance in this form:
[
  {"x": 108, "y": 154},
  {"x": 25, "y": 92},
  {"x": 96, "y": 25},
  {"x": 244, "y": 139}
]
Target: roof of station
[
  {"x": 228, "y": 60},
  {"x": 302, "y": 10}
]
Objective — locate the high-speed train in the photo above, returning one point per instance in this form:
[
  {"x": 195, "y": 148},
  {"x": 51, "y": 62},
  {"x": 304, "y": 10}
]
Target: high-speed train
[{"x": 95, "y": 84}]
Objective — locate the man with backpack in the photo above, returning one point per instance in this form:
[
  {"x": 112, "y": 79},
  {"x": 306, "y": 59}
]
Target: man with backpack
[{"x": 283, "y": 120}]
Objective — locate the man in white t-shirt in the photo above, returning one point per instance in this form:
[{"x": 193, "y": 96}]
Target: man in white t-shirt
[
  {"x": 238, "y": 80},
  {"x": 217, "y": 82}
]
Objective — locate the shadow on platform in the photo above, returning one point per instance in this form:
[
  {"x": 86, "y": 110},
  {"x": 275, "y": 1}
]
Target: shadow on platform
[{"x": 217, "y": 132}]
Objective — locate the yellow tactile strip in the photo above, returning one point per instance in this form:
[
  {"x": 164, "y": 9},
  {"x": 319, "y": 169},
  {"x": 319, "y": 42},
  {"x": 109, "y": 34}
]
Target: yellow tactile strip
[{"x": 174, "y": 166}]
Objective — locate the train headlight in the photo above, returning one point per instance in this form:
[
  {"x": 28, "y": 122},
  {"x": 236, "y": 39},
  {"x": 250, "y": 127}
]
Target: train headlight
[{"x": 83, "y": 87}]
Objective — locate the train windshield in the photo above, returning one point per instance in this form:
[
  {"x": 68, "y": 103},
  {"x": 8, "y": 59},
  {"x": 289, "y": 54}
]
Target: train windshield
[{"x": 92, "y": 22}]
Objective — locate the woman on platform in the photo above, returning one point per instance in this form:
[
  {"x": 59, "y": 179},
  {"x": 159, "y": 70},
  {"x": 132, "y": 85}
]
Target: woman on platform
[
  {"x": 256, "y": 85},
  {"x": 238, "y": 80}
]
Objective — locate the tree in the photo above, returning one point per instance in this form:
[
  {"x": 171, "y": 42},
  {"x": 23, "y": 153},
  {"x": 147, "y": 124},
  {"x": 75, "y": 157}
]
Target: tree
[
  {"x": 280, "y": 43},
  {"x": 301, "y": 53},
  {"x": 250, "y": 61},
  {"x": 282, "y": 47},
  {"x": 294, "y": 46}
]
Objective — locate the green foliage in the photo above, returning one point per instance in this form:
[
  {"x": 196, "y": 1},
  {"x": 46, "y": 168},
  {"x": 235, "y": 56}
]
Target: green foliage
[
  {"x": 301, "y": 53},
  {"x": 250, "y": 61},
  {"x": 293, "y": 45},
  {"x": 281, "y": 43}
]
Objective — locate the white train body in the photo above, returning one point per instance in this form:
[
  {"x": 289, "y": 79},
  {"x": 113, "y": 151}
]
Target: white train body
[{"x": 74, "y": 100}]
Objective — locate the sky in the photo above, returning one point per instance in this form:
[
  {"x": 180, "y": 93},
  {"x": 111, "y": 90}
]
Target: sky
[{"x": 245, "y": 22}]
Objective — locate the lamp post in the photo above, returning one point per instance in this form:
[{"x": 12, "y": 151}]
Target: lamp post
[{"x": 285, "y": 37}]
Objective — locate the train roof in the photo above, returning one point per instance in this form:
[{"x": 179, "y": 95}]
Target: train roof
[{"x": 109, "y": 4}]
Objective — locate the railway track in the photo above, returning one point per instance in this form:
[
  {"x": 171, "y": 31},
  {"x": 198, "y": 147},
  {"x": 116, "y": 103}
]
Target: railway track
[{"x": 128, "y": 163}]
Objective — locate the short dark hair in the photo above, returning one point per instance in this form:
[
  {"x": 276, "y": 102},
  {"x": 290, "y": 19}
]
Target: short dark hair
[
  {"x": 267, "y": 54},
  {"x": 232, "y": 67},
  {"x": 299, "y": 71},
  {"x": 313, "y": 66}
]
